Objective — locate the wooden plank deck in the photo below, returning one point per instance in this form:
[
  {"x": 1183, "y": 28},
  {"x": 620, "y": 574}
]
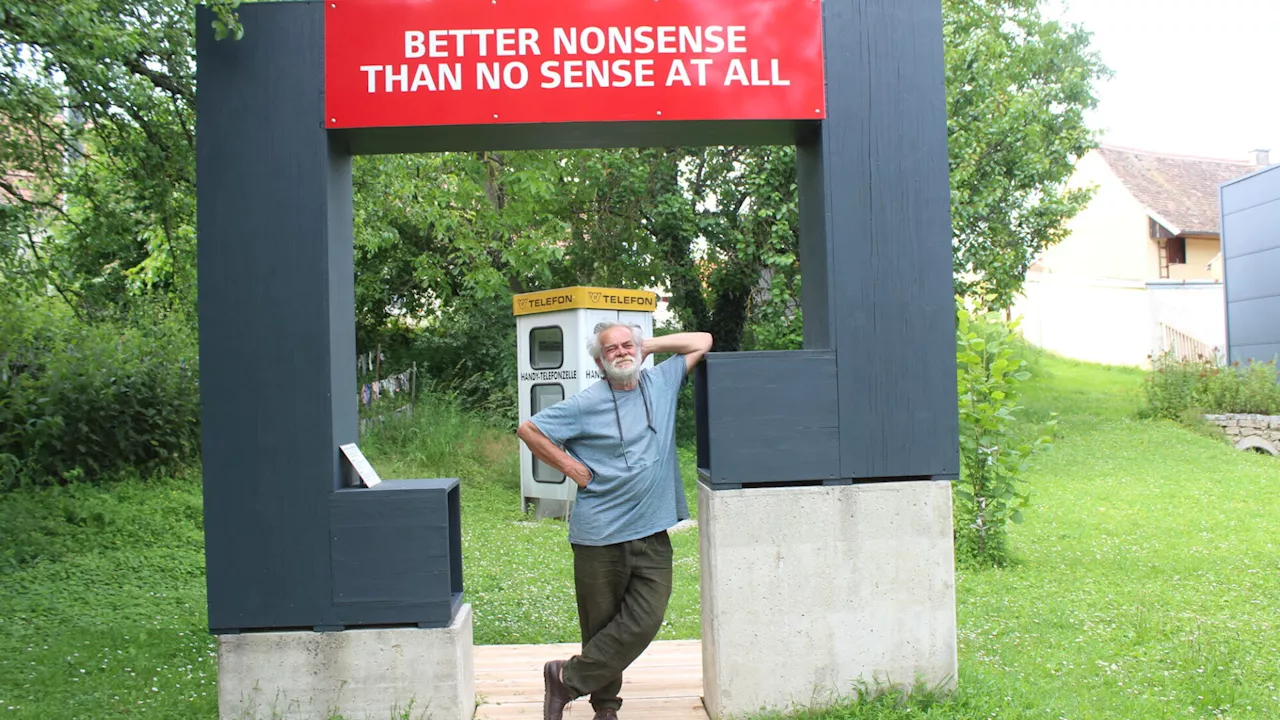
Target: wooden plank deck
[{"x": 666, "y": 682}]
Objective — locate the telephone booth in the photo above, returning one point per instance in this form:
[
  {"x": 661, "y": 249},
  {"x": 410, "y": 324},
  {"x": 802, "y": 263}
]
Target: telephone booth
[{"x": 553, "y": 328}]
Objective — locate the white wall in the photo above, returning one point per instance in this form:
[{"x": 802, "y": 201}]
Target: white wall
[
  {"x": 1196, "y": 308},
  {"x": 1116, "y": 322},
  {"x": 1101, "y": 320}
]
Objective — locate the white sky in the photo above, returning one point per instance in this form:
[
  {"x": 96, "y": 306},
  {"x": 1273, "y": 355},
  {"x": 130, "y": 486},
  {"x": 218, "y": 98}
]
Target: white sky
[{"x": 1192, "y": 77}]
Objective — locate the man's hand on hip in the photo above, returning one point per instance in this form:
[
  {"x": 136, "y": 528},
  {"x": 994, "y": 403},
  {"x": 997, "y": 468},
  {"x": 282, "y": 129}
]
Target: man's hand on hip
[
  {"x": 547, "y": 452},
  {"x": 578, "y": 473}
]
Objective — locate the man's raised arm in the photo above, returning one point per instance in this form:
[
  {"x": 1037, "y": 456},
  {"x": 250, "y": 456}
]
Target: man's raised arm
[{"x": 692, "y": 345}]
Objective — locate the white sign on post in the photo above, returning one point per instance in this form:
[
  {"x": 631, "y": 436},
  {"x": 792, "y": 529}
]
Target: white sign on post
[{"x": 362, "y": 467}]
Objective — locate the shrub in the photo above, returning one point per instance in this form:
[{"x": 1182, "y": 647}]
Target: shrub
[
  {"x": 81, "y": 400},
  {"x": 1173, "y": 386},
  {"x": 991, "y": 492},
  {"x": 1248, "y": 388},
  {"x": 1181, "y": 389},
  {"x": 471, "y": 353}
]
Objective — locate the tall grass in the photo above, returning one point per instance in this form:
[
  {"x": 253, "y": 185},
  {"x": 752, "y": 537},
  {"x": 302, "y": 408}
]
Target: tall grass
[{"x": 89, "y": 400}]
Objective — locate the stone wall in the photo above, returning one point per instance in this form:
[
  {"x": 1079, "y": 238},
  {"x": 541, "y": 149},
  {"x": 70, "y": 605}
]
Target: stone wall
[{"x": 1251, "y": 432}]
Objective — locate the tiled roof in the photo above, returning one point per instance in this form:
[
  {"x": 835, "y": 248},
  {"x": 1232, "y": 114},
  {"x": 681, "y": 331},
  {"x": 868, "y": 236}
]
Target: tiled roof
[{"x": 1182, "y": 192}]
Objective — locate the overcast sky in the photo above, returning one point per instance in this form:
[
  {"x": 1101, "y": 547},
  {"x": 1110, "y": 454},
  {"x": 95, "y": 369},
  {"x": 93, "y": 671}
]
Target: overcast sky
[{"x": 1192, "y": 77}]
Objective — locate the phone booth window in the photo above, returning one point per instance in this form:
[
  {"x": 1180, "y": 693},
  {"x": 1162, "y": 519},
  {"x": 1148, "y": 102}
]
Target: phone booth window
[
  {"x": 545, "y": 396},
  {"x": 546, "y": 348}
]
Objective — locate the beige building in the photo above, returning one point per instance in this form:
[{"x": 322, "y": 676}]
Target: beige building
[{"x": 1140, "y": 272}]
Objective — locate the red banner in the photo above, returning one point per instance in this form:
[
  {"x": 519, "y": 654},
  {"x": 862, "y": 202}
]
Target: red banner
[{"x": 467, "y": 62}]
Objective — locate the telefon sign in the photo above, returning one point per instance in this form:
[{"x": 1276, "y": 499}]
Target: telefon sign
[{"x": 401, "y": 63}]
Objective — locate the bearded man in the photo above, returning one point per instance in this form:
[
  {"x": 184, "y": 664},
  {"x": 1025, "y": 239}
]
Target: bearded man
[{"x": 616, "y": 441}]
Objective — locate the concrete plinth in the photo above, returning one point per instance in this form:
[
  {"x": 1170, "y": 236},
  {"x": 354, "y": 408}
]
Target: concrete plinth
[
  {"x": 807, "y": 591},
  {"x": 374, "y": 674}
]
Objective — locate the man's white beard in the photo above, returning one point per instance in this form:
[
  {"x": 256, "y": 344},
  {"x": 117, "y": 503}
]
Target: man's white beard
[{"x": 619, "y": 375}]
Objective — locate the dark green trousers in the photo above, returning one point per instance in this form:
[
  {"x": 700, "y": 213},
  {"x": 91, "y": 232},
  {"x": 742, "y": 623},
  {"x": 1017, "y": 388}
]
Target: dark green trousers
[{"x": 622, "y": 592}]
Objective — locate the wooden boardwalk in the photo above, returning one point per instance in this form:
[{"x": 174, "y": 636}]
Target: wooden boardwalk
[{"x": 665, "y": 683}]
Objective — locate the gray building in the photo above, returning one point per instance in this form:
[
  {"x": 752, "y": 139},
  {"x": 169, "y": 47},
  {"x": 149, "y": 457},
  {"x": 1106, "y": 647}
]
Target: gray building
[{"x": 1251, "y": 269}]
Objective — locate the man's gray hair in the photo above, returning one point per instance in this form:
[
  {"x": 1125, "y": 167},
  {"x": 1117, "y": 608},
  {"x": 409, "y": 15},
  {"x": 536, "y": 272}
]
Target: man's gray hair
[{"x": 593, "y": 346}]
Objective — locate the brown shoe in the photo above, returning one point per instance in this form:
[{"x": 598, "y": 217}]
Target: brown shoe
[
  {"x": 556, "y": 695},
  {"x": 606, "y": 714}
]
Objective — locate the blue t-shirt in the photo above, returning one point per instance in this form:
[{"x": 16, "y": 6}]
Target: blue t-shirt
[{"x": 635, "y": 489}]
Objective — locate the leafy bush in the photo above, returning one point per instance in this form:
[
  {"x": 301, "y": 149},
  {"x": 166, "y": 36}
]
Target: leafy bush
[
  {"x": 993, "y": 458},
  {"x": 81, "y": 400},
  {"x": 1184, "y": 389},
  {"x": 777, "y": 324},
  {"x": 1249, "y": 388},
  {"x": 471, "y": 353}
]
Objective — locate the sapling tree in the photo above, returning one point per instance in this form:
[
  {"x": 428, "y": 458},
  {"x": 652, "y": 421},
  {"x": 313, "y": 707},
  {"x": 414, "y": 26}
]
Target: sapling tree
[{"x": 992, "y": 491}]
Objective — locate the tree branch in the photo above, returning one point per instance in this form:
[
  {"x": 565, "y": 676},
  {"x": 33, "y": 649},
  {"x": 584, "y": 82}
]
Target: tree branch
[
  {"x": 137, "y": 65},
  {"x": 35, "y": 253},
  {"x": 15, "y": 192}
]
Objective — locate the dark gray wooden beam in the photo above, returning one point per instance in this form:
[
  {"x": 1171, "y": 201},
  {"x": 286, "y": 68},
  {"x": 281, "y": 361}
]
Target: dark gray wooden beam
[
  {"x": 275, "y": 245},
  {"x": 770, "y": 418},
  {"x": 878, "y": 170},
  {"x": 283, "y": 541},
  {"x": 456, "y": 138}
]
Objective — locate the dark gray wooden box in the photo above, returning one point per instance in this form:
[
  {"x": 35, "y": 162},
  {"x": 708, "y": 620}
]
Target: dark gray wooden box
[
  {"x": 396, "y": 553},
  {"x": 768, "y": 418}
]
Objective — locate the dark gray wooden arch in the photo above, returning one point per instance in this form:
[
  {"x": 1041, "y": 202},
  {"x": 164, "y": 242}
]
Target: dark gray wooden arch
[{"x": 871, "y": 398}]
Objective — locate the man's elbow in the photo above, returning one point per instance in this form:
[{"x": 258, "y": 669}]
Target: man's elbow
[
  {"x": 705, "y": 340},
  {"x": 526, "y": 430}
]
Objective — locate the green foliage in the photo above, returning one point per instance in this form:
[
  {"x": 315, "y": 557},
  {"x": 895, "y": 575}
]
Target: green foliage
[
  {"x": 78, "y": 401},
  {"x": 1018, "y": 88},
  {"x": 890, "y": 702},
  {"x": 434, "y": 230},
  {"x": 1182, "y": 390},
  {"x": 993, "y": 460},
  {"x": 1174, "y": 387},
  {"x": 98, "y": 144},
  {"x": 777, "y": 324},
  {"x": 471, "y": 354},
  {"x": 226, "y": 21},
  {"x": 1250, "y": 388},
  {"x": 717, "y": 226},
  {"x": 750, "y": 219}
]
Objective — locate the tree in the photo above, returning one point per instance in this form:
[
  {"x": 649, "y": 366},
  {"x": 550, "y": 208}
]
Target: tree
[
  {"x": 96, "y": 100},
  {"x": 727, "y": 220},
  {"x": 706, "y": 223},
  {"x": 433, "y": 229},
  {"x": 1018, "y": 87},
  {"x": 97, "y": 108}
]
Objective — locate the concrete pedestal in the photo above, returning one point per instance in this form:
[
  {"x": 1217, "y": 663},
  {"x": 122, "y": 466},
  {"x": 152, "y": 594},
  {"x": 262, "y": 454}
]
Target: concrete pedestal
[
  {"x": 373, "y": 674},
  {"x": 808, "y": 591}
]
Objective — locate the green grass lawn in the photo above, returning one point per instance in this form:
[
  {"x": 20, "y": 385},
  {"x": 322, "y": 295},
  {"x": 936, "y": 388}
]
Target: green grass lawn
[
  {"x": 1146, "y": 581},
  {"x": 102, "y": 603}
]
